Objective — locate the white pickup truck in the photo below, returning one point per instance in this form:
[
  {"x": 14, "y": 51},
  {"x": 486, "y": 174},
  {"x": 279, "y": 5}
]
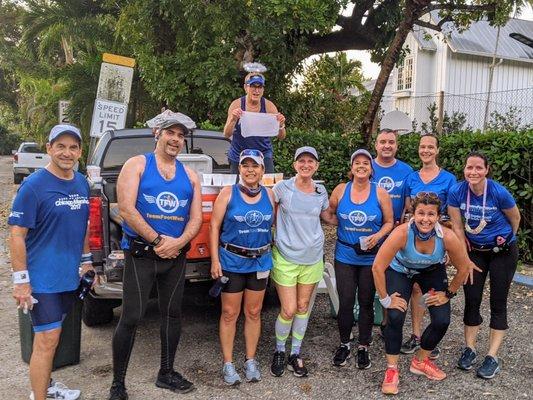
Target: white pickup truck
[{"x": 28, "y": 158}]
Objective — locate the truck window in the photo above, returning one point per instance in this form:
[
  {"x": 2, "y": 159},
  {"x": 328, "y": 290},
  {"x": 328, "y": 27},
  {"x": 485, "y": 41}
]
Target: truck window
[
  {"x": 121, "y": 149},
  {"x": 214, "y": 147},
  {"x": 31, "y": 148}
]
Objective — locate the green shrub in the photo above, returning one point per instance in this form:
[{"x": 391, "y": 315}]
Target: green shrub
[{"x": 509, "y": 155}]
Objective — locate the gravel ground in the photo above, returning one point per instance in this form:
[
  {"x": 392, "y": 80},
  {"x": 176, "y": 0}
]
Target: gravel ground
[{"x": 199, "y": 356}]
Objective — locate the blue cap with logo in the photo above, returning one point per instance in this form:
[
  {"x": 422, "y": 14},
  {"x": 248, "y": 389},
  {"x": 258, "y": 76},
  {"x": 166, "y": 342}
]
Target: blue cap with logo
[
  {"x": 257, "y": 80},
  {"x": 253, "y": 154},
  {"x": 64, "y": 129}
]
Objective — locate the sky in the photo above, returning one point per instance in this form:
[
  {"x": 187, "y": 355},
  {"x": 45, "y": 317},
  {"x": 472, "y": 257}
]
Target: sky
[{"x": 371, "y": 70}]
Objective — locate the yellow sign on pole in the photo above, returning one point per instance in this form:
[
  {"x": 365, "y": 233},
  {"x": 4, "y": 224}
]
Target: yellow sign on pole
[{"x": 118, "y": 60}]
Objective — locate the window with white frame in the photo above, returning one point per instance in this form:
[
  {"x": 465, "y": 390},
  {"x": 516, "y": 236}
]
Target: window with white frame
[{"x": 405, "y": 74}]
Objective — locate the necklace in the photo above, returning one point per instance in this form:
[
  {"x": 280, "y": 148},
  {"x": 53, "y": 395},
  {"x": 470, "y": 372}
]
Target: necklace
[
  {"x": 482, "y": 222},
  {"x": 248, "y": 191}
]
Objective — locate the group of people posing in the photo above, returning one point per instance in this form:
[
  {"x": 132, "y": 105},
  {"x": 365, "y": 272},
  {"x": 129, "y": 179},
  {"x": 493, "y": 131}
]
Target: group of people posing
[{"x": 396, "y": 230}]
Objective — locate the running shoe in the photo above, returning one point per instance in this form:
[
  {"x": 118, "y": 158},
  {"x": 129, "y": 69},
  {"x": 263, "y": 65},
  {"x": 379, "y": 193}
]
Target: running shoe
[
  {"x": 341, "y": 356},
  {"x": 426, "y": 368},
  {"x": 118, "y": 391},
  {"x": 57, "y": 390},
  {"x": 435, "y": 353},
  {"x": 467, "y": 360},
  {"x": 251, "y": 371},
  {"x": 174, "y": 381},
  {"x": 363, "y": 358},
  {"x": 391, "y": 381},
  {"x": 296, "y": 365},
  {"x": 277, "y": 368},
  {"x": 411, "y": 345},
  {"x": 489, "y": 368},
  {"x": 231, "y": 377}
]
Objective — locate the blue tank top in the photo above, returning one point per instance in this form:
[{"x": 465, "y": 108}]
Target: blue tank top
[
  {"x": 246, "y": 225},
  {"x": 356, "y": 220},
  {"x": 409, "y": 260},
  {"x": 163, "y": 204},
  {"x": 240, "y": 143}
]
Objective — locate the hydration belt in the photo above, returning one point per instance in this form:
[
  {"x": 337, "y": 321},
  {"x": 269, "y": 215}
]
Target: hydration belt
[
  {"x": 245, "y": 251},
  {"x": 358, "y": 250}
]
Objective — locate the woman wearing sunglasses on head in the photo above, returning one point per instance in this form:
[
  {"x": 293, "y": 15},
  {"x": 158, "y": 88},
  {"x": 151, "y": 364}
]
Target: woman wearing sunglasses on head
[
  {"x": 430, "y": 178},
  {"x": 414, "y": 253},
  {"x": 298, "y": 255},
  {"x": 491, "y": 219},
  {"x": 241, "y": 230},
  {"x": 365, "y": 217},
  {"x": 254, "y": 87}
]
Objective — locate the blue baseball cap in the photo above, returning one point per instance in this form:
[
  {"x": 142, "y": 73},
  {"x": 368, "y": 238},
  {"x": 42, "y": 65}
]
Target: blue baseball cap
[
  {"x": 256, "y": 79},
  {"x": 64, "y": 129},
  {"x": 252, "y": 154},
  {"x": 360, "y": 152},
  {"x": 305, "y": 150}
]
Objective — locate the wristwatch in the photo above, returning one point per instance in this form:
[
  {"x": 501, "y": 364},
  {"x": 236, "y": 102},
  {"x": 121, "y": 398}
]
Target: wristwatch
[
  {"x": 157, "y": 240},
  {"x": 450, "y": 295}
]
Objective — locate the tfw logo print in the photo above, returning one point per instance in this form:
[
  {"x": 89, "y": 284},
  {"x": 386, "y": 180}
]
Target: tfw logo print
[
  {"x": 386, "y": 183},
  {"x": 357, "y": 218},
  {"x": 167, "y": 202},
  {"x": 253, "y": 218}
]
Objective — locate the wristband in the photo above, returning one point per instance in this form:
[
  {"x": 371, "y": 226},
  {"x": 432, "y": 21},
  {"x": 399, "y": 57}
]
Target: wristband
[
  {"x": 386, "y": 302},
  {"x": 21, "y": 277},
  {"x": 157, "y": 240},
  {"x": 86, "y": 258},
  {"x": 450, "y": 295}
]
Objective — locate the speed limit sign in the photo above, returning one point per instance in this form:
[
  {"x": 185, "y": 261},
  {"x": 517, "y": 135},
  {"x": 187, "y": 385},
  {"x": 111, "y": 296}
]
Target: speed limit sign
[{"x": 108, "y": 115}]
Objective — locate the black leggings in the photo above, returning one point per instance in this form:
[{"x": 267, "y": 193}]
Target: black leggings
[
  {"x": 351, "y": 279},
  {"x": 139, "y": 277},
  {"x": 440, "y": 315},
  {"x": 501, "y": 267}
]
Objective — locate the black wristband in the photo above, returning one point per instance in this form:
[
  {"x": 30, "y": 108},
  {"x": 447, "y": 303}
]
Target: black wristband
[
  {"x": 157, "y": 240},
  {"x": 450, "y": 295}
]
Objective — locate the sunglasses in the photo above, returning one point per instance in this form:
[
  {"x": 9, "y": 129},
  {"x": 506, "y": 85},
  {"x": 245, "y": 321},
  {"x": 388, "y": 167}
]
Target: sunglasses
[{"x": 251, "y": 153}]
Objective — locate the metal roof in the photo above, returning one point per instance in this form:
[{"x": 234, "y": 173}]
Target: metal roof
[
  {"x": 424, "y": 39},
  {"x": 480, "y": 39}
]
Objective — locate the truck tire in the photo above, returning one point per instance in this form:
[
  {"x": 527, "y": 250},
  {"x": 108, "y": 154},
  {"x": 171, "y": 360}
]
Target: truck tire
[
  {"x": 17, "y": 178},
  {"x": 98, "y": 311}
]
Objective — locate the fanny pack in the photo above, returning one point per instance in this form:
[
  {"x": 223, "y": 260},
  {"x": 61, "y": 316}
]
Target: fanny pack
[
  {"x": 358, "y": 250},
  {"x": 247, "y": 252},
  {"x": 412, "y": 272},
  {"x": 495, "y": 248},
  {"x": 139, "y": 248}
]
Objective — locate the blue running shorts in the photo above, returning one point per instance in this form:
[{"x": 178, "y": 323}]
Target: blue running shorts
[{"x": 51, "y": 309}]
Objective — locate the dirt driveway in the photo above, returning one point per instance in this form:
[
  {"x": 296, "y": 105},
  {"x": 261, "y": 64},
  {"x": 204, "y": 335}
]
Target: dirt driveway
[{"x": 199, "y": 359}]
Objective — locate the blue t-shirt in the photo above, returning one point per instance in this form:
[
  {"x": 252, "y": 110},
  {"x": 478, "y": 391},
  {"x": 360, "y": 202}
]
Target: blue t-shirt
[
  {"x": 392, "y": 179},
  {"x": 498, "y": 199},
  {"x": 164, "y": 204},
  {"x": 440, "y": 185},
  {"x": 356, "y": 220},
  {"x": 56, "y": 212},
  {"x": 249, "y": 226}
]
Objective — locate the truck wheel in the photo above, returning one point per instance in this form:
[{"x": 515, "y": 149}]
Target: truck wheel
[
  {"x": 98, "y": 311},
  {"x": 17, "y": 178}
]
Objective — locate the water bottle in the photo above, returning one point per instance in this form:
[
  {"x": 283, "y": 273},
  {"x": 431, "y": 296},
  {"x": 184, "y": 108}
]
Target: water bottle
[
  {"x": 216, "y": 289},
  {"x": 86, "y": 283}
]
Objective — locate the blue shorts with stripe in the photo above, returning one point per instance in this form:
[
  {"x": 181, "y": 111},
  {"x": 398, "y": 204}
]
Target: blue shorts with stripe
[{"x": 51, "y": 309}]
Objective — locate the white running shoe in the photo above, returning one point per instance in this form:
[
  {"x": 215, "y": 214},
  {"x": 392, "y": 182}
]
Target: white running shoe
[{"x": 59, "y": 391}]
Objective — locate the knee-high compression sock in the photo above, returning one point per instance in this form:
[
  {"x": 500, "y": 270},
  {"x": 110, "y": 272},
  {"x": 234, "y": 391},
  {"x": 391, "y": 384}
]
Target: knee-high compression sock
[
  {"x": 299, "y": 327},
  {"x": 283, "y": 328}
]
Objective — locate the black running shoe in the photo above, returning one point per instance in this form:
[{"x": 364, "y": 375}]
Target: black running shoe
[
  {"x": 175, "y": 382},
  {"x": 277, "y": 368},
  {"x": 411, "y": 345},
  {"x": 489, "y": 368},
  {"x": 341, "y": 355},
  {"x": 467, "y": 360},
  {"x": 435, "y": 353},
  {"x": 363, "y": 358},
  {"x": 296, "y": 365},
  {"x": 118, "y": 391}
]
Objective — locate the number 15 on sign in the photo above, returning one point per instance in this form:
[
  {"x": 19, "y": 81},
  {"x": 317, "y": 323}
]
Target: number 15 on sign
[{"x": 108, "y": 115}]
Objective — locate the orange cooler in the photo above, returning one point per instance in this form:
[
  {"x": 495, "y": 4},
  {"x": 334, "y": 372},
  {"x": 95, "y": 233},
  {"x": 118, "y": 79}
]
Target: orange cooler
[{"x": 200, "y": 244}]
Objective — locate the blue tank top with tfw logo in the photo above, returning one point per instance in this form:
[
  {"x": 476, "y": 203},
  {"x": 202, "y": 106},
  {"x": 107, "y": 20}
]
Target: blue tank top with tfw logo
[
  {"x": 163, "y": 204},
  {"x": 249, "y": 226},
  {"x": 356, "y": 220}
]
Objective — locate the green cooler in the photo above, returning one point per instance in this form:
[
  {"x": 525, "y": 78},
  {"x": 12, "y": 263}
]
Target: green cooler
[
  {"x": 68, "y": 350},
  {"x": 378, "y": 311}
]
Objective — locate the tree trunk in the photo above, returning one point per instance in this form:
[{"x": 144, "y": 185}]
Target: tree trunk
[
  {"x": 411, "y": 14},
  {"x": 67, "y": 49}
]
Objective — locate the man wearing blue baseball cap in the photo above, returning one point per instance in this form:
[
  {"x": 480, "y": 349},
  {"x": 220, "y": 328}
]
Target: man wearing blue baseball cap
[
  {"x": 48, "y": 244},
  {"x": 253, "y": 101}
]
